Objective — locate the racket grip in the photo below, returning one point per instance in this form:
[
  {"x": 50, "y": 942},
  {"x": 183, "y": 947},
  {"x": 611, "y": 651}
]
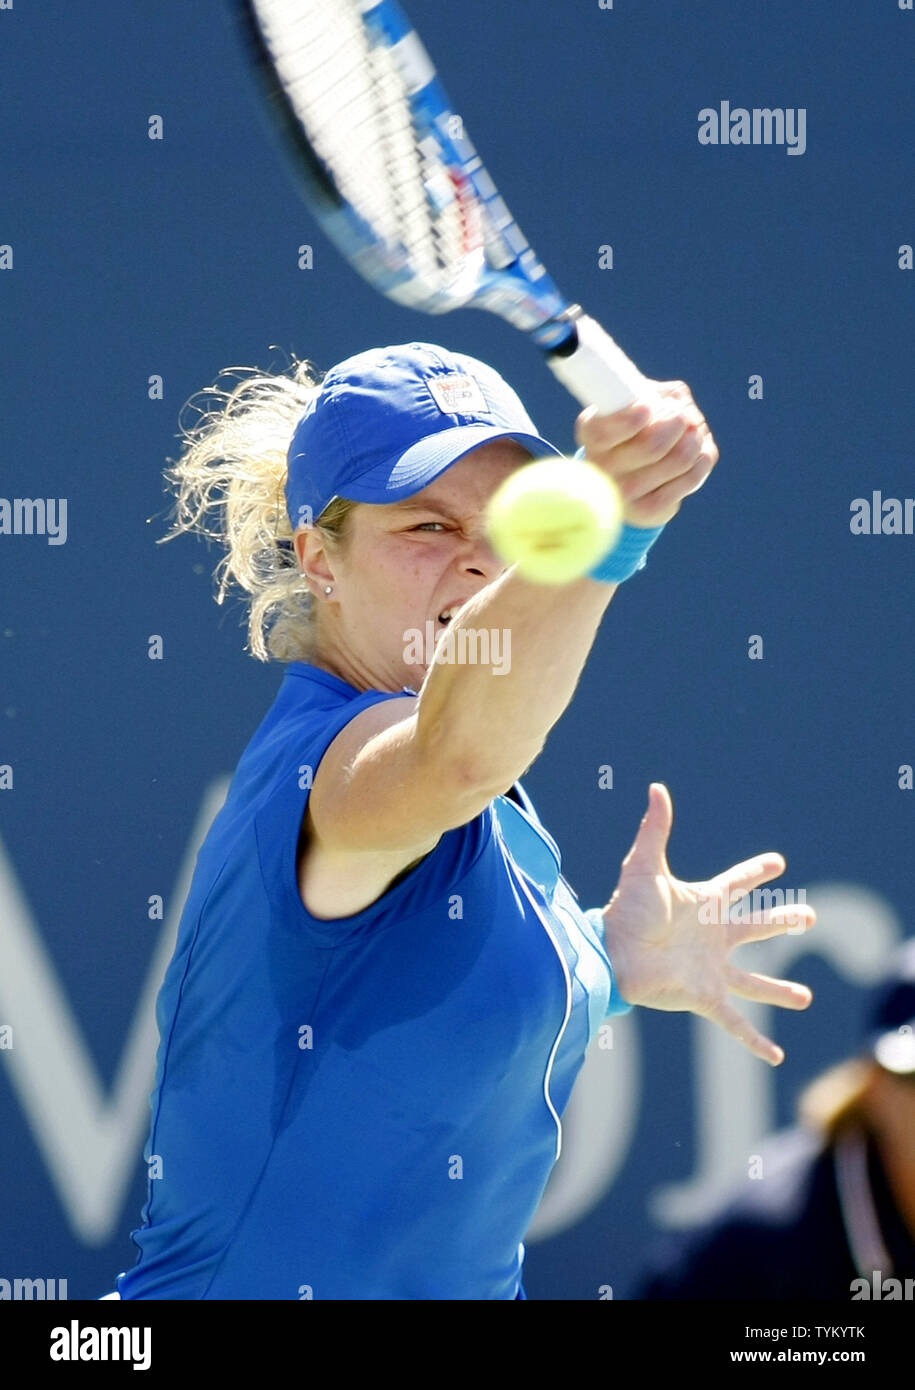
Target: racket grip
[{"x": 598, "y": 372}]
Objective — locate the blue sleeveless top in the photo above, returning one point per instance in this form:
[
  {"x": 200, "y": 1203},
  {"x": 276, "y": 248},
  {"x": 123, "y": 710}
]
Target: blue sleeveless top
[{"x": 369, "y": 1107}]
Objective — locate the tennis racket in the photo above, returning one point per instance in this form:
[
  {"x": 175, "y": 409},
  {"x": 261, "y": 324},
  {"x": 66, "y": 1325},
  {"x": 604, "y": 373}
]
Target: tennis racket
[{"x": 389, "y": 172}]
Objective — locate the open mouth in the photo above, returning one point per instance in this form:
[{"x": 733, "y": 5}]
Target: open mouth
[{"x": 446, "y": 615}]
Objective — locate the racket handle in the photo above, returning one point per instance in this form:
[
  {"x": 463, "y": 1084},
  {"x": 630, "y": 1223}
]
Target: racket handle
[{"x": 598, "y": 372}]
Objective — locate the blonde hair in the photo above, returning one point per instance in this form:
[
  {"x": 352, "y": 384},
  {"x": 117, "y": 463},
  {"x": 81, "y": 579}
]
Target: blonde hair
[
  {"x": 230, "y": 485},
  {"x": 836, "y": 1097}
]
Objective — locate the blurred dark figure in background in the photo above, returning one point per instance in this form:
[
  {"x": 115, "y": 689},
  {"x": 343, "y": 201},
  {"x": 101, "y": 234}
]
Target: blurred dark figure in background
[{"x": 833, "y": 1215}]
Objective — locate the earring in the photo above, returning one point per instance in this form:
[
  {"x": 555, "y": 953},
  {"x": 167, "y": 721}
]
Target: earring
[{"x": 328, "y": 588}]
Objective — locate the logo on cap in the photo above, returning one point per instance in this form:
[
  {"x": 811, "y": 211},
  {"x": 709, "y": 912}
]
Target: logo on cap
[{"x": 457, "y": 395}]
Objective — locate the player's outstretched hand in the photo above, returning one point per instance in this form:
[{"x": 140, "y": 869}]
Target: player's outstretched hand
[
  {"x": 657, "y": 459},
  {"x": 670, "y": 942}
]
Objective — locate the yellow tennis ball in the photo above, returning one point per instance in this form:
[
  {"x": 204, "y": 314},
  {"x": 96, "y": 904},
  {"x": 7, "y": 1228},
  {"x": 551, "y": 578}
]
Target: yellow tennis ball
[{"x": 555, "y": 518}]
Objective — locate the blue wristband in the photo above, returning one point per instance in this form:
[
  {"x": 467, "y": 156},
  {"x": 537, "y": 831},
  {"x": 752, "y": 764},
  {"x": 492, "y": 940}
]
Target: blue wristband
[
  {"x": 628, "y": 555},
  {"x": 618, "y": 1005}
]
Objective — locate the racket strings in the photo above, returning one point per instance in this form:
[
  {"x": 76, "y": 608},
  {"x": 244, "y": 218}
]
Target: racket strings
[{"x": 353, "y": 104}]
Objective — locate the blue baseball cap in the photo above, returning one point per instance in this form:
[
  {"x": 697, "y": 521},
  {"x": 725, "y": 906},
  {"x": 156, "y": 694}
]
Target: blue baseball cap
[{"x": 388, "y": 421}]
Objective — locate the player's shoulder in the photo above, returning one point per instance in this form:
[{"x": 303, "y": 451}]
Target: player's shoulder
[
  {"x": 367, "y": 720},
  {"x": 320, "y": 703},
  {"x": 305, "y": 722}
]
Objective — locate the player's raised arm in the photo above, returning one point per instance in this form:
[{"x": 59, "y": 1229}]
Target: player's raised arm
[
  {"x": 499, "y": 726},
  {"x": 396, "y": 782}
]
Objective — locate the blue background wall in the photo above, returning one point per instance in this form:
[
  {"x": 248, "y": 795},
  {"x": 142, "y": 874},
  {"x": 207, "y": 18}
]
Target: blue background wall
[{"x": 179, "y": 257}]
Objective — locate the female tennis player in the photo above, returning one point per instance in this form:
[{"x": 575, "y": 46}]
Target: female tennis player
[{"x": 383, "y": 987}]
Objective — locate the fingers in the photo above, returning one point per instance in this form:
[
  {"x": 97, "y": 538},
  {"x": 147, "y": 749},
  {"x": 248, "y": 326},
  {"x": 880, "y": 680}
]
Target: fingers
[
  {"x": 792, "y": 919},
  {"x": 659, "y": 506},
  {"x": 763, "y": 989},
  {"x": 724, "y": 902},
  {"x": 658, "y": 451},
  {"x": 647, "y": 477},
  {"x": 648, "y": 852},
  {"x": 743, "y": 1030},
  {"x": 667, "y": 421},
  {"x": 598, "y": 434},
  {"x": 650, "y": 444},
  {"x": 679, "y": 391},
  {"x": 646, "y": 431},
  {"x": 749, "y": 873}
]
